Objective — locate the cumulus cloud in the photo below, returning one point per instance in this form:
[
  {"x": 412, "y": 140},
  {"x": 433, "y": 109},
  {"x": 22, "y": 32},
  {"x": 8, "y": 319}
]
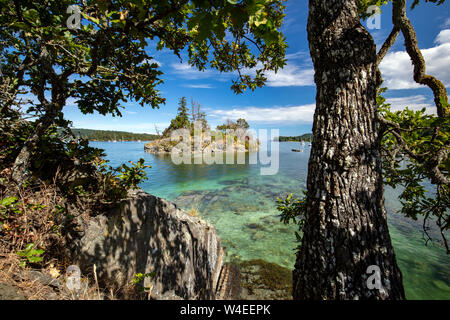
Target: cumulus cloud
[
  {"x": 443, "y": 37},
  {"x": 397, "y": 68},
  {"x": 276, "y": 114},
  {"x": 290, "y": 76}
]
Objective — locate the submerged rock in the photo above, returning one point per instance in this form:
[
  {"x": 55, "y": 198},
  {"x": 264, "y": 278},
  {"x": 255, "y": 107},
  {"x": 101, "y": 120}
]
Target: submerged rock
[
  {"x": 262, "y": 280},
  {"x": 255, "y": 226},
  {"x": 149, "y": 234}
]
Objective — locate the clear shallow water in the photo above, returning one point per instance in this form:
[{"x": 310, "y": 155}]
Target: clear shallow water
[{"x": 240, "y": 203}]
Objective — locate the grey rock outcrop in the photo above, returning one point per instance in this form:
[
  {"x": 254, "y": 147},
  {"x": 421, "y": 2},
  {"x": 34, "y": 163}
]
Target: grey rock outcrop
[{"x": 149, "y": 234}]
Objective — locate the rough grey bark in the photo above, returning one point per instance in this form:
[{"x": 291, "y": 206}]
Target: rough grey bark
[{"x": 346, "y": 229}]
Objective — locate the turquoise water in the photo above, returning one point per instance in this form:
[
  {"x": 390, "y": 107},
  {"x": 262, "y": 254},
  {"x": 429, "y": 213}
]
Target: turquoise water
[{"x": 240, "y": 203}]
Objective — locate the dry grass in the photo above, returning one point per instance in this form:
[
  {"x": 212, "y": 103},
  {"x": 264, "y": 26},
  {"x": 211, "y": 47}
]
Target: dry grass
[
  {"x": 32, "y": 288},
  {"x": 193, "y": 212},
  {"x": 36, "y": 217},
  {"x": 40, "y": 215}
]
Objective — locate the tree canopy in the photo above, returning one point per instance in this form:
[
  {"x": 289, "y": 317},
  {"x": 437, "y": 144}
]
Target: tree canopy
[
  {"x": 420, "y": 138},
  {"x": 233, "y": 125},
  {"x": 107, "y": 59},
  {"x": 181, "y": 120}
]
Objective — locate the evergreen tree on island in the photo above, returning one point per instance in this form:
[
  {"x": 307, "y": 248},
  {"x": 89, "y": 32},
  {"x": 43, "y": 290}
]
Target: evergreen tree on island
[{"x": 181, "y": 120}]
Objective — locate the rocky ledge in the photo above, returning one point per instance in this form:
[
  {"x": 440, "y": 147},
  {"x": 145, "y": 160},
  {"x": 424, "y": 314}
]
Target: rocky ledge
[{"x": 150, "y": 235}]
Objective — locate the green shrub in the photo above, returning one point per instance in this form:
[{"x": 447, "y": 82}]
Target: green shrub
[{"x": 30, "y": 255}]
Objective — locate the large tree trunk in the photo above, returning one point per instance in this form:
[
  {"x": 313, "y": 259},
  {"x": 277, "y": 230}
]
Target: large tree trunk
[{"x": 346, "y": 229}]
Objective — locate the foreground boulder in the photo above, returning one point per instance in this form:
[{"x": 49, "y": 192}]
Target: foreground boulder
[{"x": 148, "y": 234}]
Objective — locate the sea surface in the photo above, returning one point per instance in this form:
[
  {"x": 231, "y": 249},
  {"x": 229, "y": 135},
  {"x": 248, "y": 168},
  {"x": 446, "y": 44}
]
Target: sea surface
[{"x": 240, "y": 203}]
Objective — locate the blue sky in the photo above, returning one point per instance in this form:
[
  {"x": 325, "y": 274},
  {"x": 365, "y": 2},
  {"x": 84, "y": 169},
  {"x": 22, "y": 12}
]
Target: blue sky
[{"x": 287, "y": 101}]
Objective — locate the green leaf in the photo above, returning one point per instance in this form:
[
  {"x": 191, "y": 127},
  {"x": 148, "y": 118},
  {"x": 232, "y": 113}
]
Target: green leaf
[
  {"x": 8, "y": 201},
  {"x": 31, "y": 15}
]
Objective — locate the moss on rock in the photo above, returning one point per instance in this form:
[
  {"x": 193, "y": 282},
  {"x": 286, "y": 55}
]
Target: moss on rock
[{"x": 265, "y": 280}]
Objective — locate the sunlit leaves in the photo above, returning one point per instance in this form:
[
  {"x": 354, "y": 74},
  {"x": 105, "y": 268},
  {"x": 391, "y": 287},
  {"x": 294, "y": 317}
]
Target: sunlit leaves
[
  {"x": 293, "y": 210},
  {"x": 364, "y": 5},
  {"x": 411, "y": 147},
  {"x": 241, "y": 35}
]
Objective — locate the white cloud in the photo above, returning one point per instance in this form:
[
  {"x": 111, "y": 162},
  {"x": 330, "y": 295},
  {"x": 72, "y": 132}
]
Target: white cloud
[
  {"x": 443, "y": 37},
  {"x": 290, "y": 76},
  {"x": 447, "y": 23},
  {"x": 276, "y": 114},
  {"x": 297, "y": 55},
  {"x": 159, "y": 63},
  {"x": 186, "y": 71},
  {"x": 199, "y": 86},
  {"x": 416, "y": 102},
  {"x": 305, "y": 113},
  {"x": 397, "y": 68}
]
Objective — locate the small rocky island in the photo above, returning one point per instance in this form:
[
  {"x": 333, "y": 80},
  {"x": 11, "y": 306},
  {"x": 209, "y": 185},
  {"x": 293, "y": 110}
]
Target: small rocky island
[
  {"x": 194, "y": 134},
  {"x": 206, "y": 144}
]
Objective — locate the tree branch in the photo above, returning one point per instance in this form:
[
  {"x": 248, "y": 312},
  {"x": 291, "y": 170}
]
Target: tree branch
[
  {"x": 388, "y": 44},
  {"x": 402, "y": 22},
  {"x": 432, "y": 164}
]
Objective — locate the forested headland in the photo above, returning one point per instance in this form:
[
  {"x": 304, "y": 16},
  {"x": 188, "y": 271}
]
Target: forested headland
[
  {"x": 109, "y": 135},
  {"x": 304, "y": 137}
]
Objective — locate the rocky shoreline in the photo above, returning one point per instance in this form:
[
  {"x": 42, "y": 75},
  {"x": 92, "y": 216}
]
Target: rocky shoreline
[{"x": 150, "y": 235}]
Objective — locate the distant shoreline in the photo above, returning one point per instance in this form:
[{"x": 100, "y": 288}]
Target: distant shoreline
[
  {"x": 143, "y": 141},
  {"x": 112, "y": 136},
  {"x": 307, "y": 137}
]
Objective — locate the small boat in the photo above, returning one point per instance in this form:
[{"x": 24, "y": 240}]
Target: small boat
[{"x": 297, "y": 150}]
